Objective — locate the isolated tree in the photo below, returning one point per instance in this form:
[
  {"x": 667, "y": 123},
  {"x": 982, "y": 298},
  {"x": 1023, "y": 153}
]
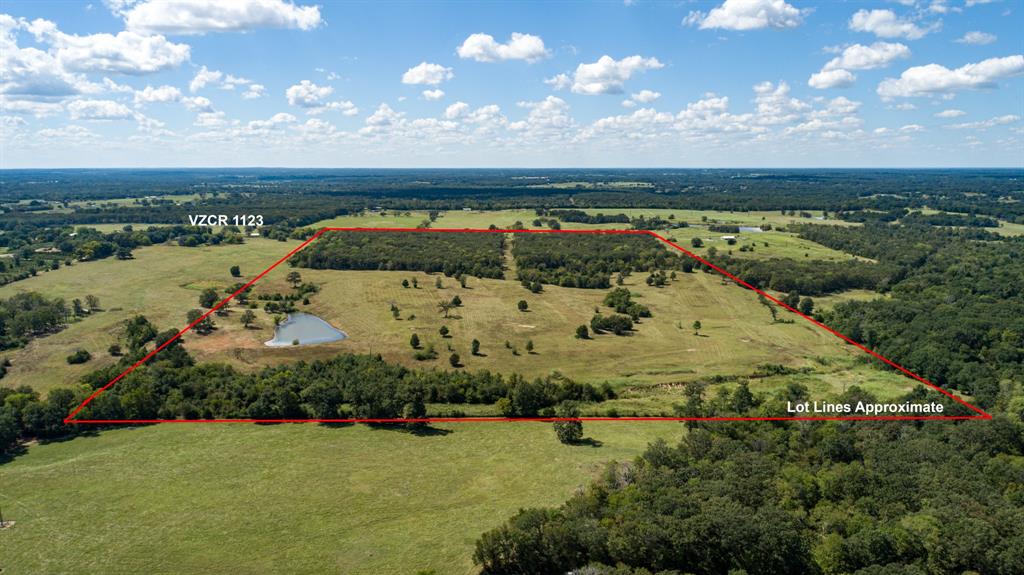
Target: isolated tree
[
  {"x": 93, "y": 302},
  {"x": 414, "y": 341},
  {"x": 248, "y": 317},
  {"x": 294, "y": 278},
  {"x": 456, "y": 301},
  {"x": 437, "y": 283},
  {"x": 208, "y": 298},
  {"x": 475, "y": 347},
  {"x": 455, "y": 360},
  {"x": 570, "y": 431},
  {"x": 443, "y": 331},
  {"x": 405, "y": 283},
  {"x": 236, "y": 271},
  {"x": 522, "y": 305},
  {"x": 76, "y": 305},
  {"x": 415, "y": 283},
  {"x": 462, "y": 281},
  {"x": 529, "y": 346},
  {"x": 582, "y": 332},
  {"x": 445, "y": 307},
  {"x": 205, "y": 326},
  {"x": 114, "y": 349},
  {"x": 696, "y": 327},
  {"x": 696, "y": 242},
  {"x": 807, "y": 306}
]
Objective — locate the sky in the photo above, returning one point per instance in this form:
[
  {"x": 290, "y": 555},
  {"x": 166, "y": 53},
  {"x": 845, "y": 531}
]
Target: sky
[{"x": 733, "y": 83}]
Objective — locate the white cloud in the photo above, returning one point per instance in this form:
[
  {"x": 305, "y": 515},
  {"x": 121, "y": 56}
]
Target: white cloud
[
  {"x": 950, "y": 113},
  {"x": 645, "y": 96},
  {"x": 306, "y": 94},
  {"x": 548, "y": 119},
  {"x": 934, "y": 79},
  {"x": 748, "y": 15},
  {"x": 886, "y": 24},
  {"x": 607, "y": 75},
  {"x": 834, "y": 78},
  {"x": 162, "y": 94},
  {"x": 99, "y": 110},
  {"x": 202, "y": 16},
  {"x": 861, "y": 57},
  {"x": 275, "y": 121},
  {"x": 483, "y": 48},
  {"x": 977, "y": 38},
  {"x": 210, "y": 120},
  {"x": 427, "y": 73},
  {"x": 971, "y": 3},
  {"x": 911, "y": 128},
  {"x": 456, "y": 110},
  {"x": 203, "y": 77},
  {"x": 435, "y": 94},
  {"x": 559, "y": 82},
  {"x": 313, "y": 98},
  {"x": 72, "y": 133},
  {"x": 254, "y": 91},
  {"x": 991, "y": 122},
  {"x": 198, "y": 104}
]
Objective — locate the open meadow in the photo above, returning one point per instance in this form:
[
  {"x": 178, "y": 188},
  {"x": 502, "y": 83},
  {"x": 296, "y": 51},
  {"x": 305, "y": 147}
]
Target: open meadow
[{"x": 240, "y": 498}]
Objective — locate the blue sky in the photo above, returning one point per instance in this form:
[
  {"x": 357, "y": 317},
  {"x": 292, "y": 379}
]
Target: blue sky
[{"x": 776, "y": 83}]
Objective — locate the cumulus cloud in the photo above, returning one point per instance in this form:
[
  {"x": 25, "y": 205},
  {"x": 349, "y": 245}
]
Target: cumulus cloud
[
  {"x": 861, "y": 57},
  {"x": 254, "y": 91},
  {"x": 162, "y": 94},
  {"x": 314, "y": 99},
  {"x": 747, "y": 15},
  {"x": 607, "y": 75},
  {"x": 427, "y": 73},
  {"x": 203, "y": 77},
  {"x": 952, "y": 113},
  {"x": 886, "y": 24},
  {"x": 484, "y": 48},
  {"x": 548, "y": 119},
  {"x": 99, "y": 110},
  {"x": 456, "y": 110},
  {"x": 837, "y": 78},
  {"x": 934, "y": 79},
  {"x": 836, "y": 72},
  {"x": 198, "y": 104},
  {"x": 559, "y": 82},
  {"x": 977, "y": 38},
  {"x": 59, "y": 71},
  {"x": 435, "y": 94},
  {"x": 202, "y": 16}
]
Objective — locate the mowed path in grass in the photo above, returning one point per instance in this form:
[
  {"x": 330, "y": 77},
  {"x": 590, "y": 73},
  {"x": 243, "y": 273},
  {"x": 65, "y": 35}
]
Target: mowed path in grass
[{"x": 209, "y": 498}]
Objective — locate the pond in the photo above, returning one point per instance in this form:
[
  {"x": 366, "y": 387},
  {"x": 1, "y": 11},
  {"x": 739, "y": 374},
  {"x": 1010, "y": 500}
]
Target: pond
[
  {"x": 305, "y": 328},
  {"x": 750, "y": 229}
]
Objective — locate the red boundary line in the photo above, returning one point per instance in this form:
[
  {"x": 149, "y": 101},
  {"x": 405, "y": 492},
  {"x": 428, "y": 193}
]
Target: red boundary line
[{"x": 980, "y": 413}]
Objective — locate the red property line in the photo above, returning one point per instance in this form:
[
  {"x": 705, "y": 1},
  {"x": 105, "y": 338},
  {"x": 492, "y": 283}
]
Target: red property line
[{"x": 979, "y": 413}]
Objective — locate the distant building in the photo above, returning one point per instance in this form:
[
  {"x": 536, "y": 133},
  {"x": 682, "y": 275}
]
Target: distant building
[{"x": 727, "y": 238}]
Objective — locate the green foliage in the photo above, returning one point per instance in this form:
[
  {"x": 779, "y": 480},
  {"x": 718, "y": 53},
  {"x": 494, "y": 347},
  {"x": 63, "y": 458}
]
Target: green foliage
[
  {"x": 464, "y": 254},
  {"x": 79, "y": 356},
  {"x": 586, "y": 261},
  {"x": 615, "y": 323},
  {"x": 28, "y": 315}
]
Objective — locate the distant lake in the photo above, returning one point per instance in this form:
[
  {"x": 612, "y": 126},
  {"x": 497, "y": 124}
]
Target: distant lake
[
  {"x": 750, "y": 229},
  {"x": 308, "y": 329}
]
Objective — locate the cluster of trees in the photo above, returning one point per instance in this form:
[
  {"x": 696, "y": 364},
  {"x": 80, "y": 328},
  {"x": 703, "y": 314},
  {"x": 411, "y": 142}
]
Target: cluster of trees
[
  {"x": 865, "y": 498},
  {"x": 581, "y": 217},
  {"x": 947, "y": 219},
  {"x": 586, "y": 260},
  {"x": 615, "y": 323},
  {"x": 345, "y": 386},
  {"x": 453, "y": 254},
  {"x": 27, "y": 315},
  {"x": 811, "y": 277},
  {"x": 956, "y": 311},
  {"x": 34, "y": 248},
  {"x": 621, "y": 300}
]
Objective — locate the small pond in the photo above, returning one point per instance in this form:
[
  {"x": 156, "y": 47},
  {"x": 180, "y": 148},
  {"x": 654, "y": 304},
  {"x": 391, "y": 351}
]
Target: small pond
[
  {"x": 305, "y": 328},
  {"x": 750, "y": 229}
]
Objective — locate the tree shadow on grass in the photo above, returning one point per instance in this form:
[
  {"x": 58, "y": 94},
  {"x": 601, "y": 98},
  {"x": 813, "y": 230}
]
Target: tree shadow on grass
[
  {"x": 588, "y": 442},
  {"x": 419, "y": 430}
]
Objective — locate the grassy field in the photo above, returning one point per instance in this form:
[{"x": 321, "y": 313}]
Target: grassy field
[
  {"x": 737, "y": 332},
  {"x": 163, "y": 283},
  {"x": 289, "y": 498}
]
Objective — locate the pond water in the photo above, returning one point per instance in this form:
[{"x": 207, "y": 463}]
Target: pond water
[
  {"x": 307, "y": 329},
  {"x": 750, "y": 229}
]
